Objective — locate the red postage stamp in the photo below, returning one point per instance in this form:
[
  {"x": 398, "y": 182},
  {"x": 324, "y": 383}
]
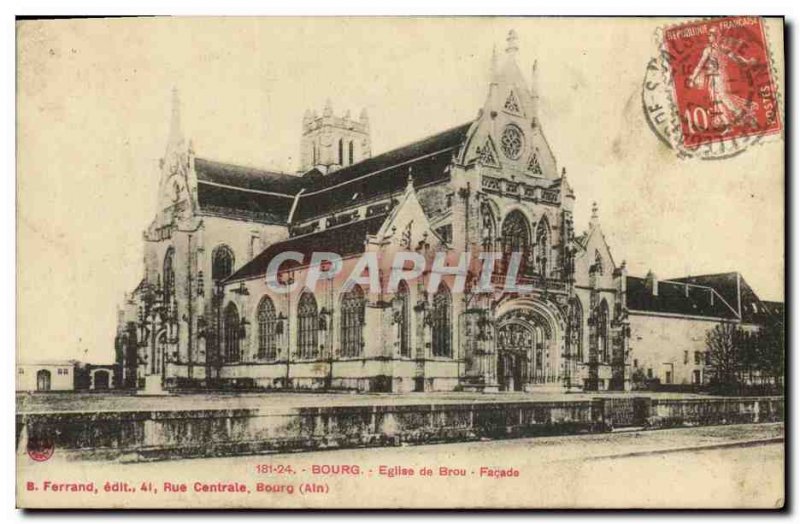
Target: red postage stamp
[{"x": 723, "y": 83}]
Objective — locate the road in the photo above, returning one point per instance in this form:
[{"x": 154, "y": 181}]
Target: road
[{"x": 722, "y": 466}]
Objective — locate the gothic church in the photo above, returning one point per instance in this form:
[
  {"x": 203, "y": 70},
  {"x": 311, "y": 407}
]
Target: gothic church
[{"x": 203, "y": 316}]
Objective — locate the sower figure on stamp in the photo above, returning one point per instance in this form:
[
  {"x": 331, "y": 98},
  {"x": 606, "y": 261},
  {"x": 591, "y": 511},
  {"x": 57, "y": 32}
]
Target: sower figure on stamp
[{"x": 727, "y": 109}]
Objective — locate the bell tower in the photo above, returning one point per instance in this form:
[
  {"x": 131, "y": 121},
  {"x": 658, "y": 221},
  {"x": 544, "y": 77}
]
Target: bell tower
[{"x": 330, "y": 142}]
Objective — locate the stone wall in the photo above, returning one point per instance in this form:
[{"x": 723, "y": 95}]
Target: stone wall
[{"x": 155, "y": 435}]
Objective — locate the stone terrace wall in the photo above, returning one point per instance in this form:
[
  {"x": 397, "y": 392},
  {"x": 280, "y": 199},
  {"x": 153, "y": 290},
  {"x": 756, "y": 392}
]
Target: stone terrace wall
[{"x": 153, "y": 435}]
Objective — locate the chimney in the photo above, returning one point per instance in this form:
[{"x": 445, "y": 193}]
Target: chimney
[
  {"x": 651, "y": 282},
  {"x": 711, "y": 295}
]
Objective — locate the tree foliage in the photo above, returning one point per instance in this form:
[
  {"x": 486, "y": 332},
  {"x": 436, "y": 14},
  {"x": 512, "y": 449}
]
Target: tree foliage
[{"x": 739, "y": 357}]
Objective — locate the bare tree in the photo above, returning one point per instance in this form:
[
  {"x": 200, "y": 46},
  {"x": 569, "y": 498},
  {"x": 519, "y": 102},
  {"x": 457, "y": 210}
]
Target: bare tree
[{"x": 721, "y": 343}]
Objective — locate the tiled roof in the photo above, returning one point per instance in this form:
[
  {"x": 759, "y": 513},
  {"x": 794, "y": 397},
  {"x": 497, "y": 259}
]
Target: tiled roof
[
  {"x": 245, "y": 193},
  {"x": 267, "y": 196},
  {"x": 382, "y": 175},
  {"x": 773, "y": 308},
  {"x": 345, "y": 240},
  {"x": 676, "y": 298},
  {"x": 231, "y": 202},
  {"x": 736, "y": 291},
  {"x": 247, "y": 177}
]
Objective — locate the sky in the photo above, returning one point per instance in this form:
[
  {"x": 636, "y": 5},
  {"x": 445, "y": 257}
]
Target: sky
[{"x": 93, "y": 112}]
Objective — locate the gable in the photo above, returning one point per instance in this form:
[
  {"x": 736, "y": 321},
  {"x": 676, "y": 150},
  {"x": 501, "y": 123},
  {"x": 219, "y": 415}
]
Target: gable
[
  {"x": 407, "y": 225},
  {"x": 512, "y": 104},
  {"x": 594, "y": 252}
]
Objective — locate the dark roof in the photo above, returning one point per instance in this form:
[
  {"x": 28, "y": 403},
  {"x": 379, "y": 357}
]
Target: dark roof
[
  {"x": 267, "y": 196},
  {"x": 244, "y": 192},
  {"x": 676, "y": 298},
  {"x": 246, "y": 205},
  {"x": 348, "y": 239},
  {"x": 247, "y": 177},
  {"x": 382, "y": 175},
  {"x": 735, "y": 289},
  {"x": 773, "y": 308}
]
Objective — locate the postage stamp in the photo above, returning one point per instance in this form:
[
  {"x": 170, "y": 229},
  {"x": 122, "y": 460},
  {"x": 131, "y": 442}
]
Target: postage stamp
[{"x": 722, "y": 80}]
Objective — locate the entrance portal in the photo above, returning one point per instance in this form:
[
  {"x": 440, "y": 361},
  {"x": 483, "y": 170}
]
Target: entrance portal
[
  {"x": 515, "y": 341},
  {"x": 525, "y": 356}
]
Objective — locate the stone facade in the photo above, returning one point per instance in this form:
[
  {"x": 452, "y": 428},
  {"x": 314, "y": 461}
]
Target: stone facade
[{"x": 203, "y": 315}]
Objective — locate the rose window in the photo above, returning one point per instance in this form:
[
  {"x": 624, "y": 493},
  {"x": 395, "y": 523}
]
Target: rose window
[{"x": 511, "y": 142}]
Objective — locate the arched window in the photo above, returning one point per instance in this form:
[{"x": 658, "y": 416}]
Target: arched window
[
  {"x": 350, "y": 152},
  {"x": 341, "y": 152},
  {"x": 489, "y": 227},
  {"x": 598, "y": 262},
  {"x": 542, "y": 251},
  {"x": 403, "y": 318},
  {"x": 516, "y": 238},
  {"x": 352, "y": 322},
  {"x": 308, "y": 325},
  {"x": 221, "y": 263},
  {"x": 160, "y": 352},
  {"x": 575, "y": 330},
  {"x": 230, "y": 333},
  {"x": 441, "y": 324},
  {"x": 602, "y": 331},
  {"x": 267, "y": 336},
  {"x": 169, "y": 276}
]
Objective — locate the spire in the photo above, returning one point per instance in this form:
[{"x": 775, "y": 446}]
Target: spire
[
  {"x": 512, "y": 47},
  {"x": 494, "y": 69},
  {"x": 595, "y": 221},
  {"x": 175, "y": 131},
  {"x": 175, "y": 152},
  {"x": 535, "y": 79}
]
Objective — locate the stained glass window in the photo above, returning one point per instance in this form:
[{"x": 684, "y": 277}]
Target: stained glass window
[
  {"x": 403, "y": 313},
  {"x": 221, "y": 263},
  {"x": 352, "y": 322},
  {"x": 515, "y": 238},
  {"x": 267, "y": 339},
  {"x": 308, "y": 325},
  {"x": 441, "y": 322},
  {"x": 542, "y": 247},
  {"x": 511, "y": 142},
  {"x": 230, "y": 329}
]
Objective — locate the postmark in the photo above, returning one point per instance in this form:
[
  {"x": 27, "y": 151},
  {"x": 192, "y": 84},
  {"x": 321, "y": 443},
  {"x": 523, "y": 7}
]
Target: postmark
[{"x": 710, "y": 92}]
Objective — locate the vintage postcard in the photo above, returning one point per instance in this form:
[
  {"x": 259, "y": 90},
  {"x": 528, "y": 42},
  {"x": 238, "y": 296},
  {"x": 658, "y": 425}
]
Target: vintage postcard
[{"x": 453, "y": 262}]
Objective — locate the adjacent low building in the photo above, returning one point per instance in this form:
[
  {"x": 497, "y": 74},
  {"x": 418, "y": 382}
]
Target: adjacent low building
[
  {"x": 66, "y": 375},
  {"x": 46, "y": 376},
  {"x": 669, "y": 321}
]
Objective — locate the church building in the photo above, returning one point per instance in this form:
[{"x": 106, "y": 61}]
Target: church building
[{"x": 203, "y": 315}]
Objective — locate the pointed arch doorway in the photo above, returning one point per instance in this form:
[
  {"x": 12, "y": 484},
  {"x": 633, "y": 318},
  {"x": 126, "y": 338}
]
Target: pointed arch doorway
[{"x": 525, "y": 351}]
